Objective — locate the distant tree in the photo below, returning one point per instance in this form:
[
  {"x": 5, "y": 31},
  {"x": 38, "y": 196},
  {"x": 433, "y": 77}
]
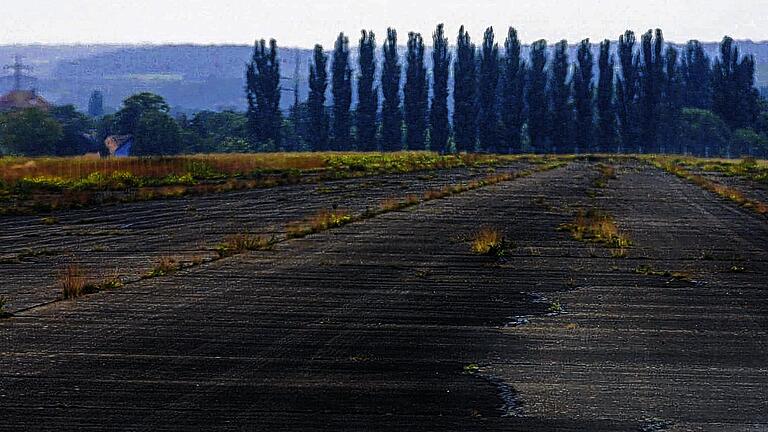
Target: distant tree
[
  {"x": 559, "y": 97},
  {"x": 606, "y": 113},
  {"x": 747, "y": 142},
  {"x": 96, "y": 104},
  {"x": 513, "y": 91},
  {"x": 438, "y": 115},
  {"x": 747, "y": 96},
  {"x": 538, "y": 108},
  {"x": 29, "y": 132},
  {"x": 651, "y": 88},
  {"x": 367, "y": 93},
  {"x": 392, "y": 123},
  {"x": 671, "y": 103},
  {"x": 157, "y": 133},
  {"x": 464, "y": 94},
  {"x": 703, "y": 133},
  {"x": 627, "y": 87},
  {"x": 735, "y": 98},
  {"x": 583, "y": 95},
  {"x": 342, "y": 95},
  {"x": 488, "y": 119},
  {"x": 416, "y": 100},
  {"x": 696, "y": 73},
  {"x": 299, "y": 127},
  {"x": 213, "y": 128},
  {"x": 127, "y": 119},
  {"x": 263, "y": 93},
  {"x": 76, "y": 126},
  {"x": 318, "y": 84}
]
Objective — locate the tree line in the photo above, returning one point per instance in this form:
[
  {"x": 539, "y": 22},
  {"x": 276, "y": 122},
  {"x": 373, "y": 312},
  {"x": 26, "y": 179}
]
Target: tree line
[
  {"x": 636, "y": 95},
  {"x": 641, "y": 96}
]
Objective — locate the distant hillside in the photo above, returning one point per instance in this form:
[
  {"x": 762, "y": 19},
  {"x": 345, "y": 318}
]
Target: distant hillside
[{"x": 190, "y": 77}]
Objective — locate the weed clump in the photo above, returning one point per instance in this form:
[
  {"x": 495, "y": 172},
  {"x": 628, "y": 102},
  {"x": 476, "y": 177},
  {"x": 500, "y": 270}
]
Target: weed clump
[
  {"x": 72, "y": 281},
  {"x": 165, "y": 265},
  {"x": 488, "y": 241},
  {"x": 321, "y": 221},
  {"x": 607, "y": 172},
  {"x": 239, "y": 243},
  {"x": 393, "y": 204},
  {"x": 49, "y": 220},
  {"x": 598, "y": 227}
]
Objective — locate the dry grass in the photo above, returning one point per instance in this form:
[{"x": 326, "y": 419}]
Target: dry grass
[
  {"x": 599, "y": 227},
  {"x": 434, "y": 194},
  {"x": 227, "y": 165},
  {"x": 393, "y": 204},
  {"x": 488, "y": 241},
  {"x": 165, "y": 265},
  {"x": 239, "y": 243},
  {"x": 83, "y": 181},
  {"x": 72, "y": 281},
  {"x": 607, "y": 172},
  {"x": 674, "y": 166},
  {"x": 321, "y": 221}
]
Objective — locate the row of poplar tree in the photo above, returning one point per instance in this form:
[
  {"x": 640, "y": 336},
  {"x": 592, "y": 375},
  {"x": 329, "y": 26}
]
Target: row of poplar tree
[{"x": 504, "y": 103}]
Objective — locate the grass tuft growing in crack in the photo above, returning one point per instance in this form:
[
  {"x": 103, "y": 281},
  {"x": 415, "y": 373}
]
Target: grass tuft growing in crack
[
  {"x": 598, "y": 227},
  {"x": 489, "y": 241},
  {"x": 321, "y": 221},
  {"x": 239, "y": 243},
  {"x": 165, "y": 265},
  {"x": 72, "y": 281}
]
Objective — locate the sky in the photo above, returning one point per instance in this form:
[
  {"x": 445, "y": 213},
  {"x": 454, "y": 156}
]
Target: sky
[{"x": 302, "y": 23}]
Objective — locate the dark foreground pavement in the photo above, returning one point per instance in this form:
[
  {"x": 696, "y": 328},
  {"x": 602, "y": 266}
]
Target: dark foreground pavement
[{"x": 378, "y": 325}]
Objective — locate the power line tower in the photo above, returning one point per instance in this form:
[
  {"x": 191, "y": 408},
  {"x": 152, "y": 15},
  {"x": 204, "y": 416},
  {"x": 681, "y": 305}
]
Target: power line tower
[{"x": 18, "y": 69}]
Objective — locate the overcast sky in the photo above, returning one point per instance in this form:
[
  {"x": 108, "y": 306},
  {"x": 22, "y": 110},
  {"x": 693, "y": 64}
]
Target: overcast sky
[{"x": 306, "y": 22}]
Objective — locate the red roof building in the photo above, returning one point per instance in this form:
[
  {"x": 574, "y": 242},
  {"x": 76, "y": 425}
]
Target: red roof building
[{"x": 23, "y": 99}]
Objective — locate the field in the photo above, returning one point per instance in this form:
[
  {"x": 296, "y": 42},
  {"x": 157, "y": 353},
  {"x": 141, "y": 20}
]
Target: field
[{"x": 591, "y": 293}]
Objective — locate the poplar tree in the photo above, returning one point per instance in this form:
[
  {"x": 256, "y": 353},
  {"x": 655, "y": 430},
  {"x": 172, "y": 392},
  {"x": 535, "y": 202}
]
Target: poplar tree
[
  {"x": 537, "y": 97},
  {"x": 651, "y": 85},
  {"x": 390, "y": 85},
  {"x": 735, "y": 99},
  {"x": 606, "y": 115},
  {"x": 488, "y": 123},
  {"x": 263, "y": 95},
  {"x": 626, "y": 91},
  {"x": 438, "y": 114},
  {"x": 583, "y": 95},
  {"x": 464, "y": 94},
  {"x": 318, "y": 84},
  {"x": 671, "y": 103},
  {"x": 416, "y": 99},
  {"x": 342, "y": 94},
  {"x": 513, "y": 92},
  {"x": 367, "y": 93},
  {"x": 696, "y": 73},
  {"x": 559, "y": 94}
]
